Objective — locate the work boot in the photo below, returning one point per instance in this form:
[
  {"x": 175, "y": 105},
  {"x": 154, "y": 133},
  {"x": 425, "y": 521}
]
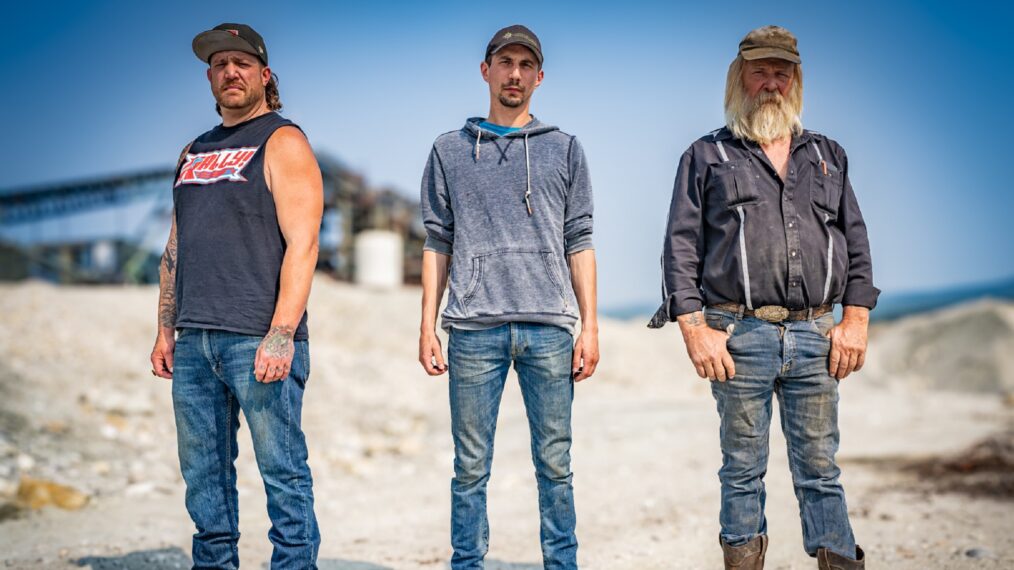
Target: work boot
[
  {"x": 827, "y": 560},
  {"x": 749, "y": 556}
]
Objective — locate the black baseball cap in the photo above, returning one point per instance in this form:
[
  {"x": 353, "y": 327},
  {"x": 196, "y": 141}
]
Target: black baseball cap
[
  {"x": 516, "y": 34},
  {"x": 229, "y": 37}
]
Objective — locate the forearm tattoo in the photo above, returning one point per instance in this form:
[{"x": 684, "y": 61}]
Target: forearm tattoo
[
  {"x": 167, "y": 285},
  {"x": 693, "y": 319},
  {"x": 278, "y": 342}
]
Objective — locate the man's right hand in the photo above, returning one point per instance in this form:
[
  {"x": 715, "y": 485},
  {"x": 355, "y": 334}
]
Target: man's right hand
[
  {"x": 162, "y": 354},
  {"x": 431, "y": 354},
  {"x": 706, "y": 347}
]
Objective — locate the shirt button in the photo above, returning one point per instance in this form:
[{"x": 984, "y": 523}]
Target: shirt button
[
  {"x": 792, "y": 253},
  {"x": 792, "y": 172},
  {"x": 791, "y": 224}
]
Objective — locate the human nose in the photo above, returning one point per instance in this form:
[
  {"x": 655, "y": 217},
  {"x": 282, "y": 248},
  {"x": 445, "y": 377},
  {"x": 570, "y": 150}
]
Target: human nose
[{"x": 516, "y": 72}]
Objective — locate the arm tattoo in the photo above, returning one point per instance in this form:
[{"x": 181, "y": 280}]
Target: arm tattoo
[
  {"x": 278, "y": 342},
  {"x": 167, "y": 268},
  {"x": 693, "y": 319},
  {"x": 167, "y": 284}
]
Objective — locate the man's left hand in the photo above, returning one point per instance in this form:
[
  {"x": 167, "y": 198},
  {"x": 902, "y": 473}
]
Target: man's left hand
[
  {"x": 586, "y": 355},
  {"x": 848, "y": 342},
  {"x": 274, "y": 355}
]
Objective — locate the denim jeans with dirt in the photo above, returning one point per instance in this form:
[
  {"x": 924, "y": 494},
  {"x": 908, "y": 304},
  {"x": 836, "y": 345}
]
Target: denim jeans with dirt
[{"x": 788, "y": 360}]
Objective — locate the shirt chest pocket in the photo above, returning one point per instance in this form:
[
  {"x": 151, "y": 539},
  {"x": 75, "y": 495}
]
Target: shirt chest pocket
[
  {"x": 826, "y": 189},
  {"x": 732, "y": 184}
]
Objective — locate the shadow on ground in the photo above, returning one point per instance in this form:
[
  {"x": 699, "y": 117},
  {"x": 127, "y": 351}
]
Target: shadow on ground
[
  {"x": 501, "y": 565},
  {"x": 336, "y": 564},
  {"x": 161, "y": 559},
  {"x": 986, "y": 469},
  {"x": 175, "y": 559}
]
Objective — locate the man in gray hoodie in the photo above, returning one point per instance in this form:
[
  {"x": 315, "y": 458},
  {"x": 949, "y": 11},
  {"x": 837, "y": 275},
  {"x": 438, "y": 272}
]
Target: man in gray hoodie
[{"x": 507, "y": 206}]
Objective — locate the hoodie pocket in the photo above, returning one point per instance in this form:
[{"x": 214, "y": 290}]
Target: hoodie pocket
[{"x": 507, "y": 282}]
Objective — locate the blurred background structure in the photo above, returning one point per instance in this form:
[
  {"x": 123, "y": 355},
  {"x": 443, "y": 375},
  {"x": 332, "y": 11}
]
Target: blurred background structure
[{"x": 113, "y": 229}]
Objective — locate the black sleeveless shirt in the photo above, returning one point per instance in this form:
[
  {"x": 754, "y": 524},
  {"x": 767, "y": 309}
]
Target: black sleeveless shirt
[{"x": 229, "y": 244}]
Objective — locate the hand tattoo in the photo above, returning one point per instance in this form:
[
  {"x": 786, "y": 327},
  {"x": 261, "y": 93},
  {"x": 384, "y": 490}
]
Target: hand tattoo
[{"x": 278, "y": 342}]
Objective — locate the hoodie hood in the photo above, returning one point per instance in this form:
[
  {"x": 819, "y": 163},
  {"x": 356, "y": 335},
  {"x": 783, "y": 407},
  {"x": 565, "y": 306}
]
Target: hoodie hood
[{"x": 534, "y": 127}]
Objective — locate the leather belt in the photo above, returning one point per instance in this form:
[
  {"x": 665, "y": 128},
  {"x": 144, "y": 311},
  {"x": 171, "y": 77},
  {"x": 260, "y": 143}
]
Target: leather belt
[{"x": 775, "y": 313}]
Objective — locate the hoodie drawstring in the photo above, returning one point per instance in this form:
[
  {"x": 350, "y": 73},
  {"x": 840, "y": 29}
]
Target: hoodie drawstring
[
  {"x": 528, "y": 174},
  {"x": 528, "y": 169}
]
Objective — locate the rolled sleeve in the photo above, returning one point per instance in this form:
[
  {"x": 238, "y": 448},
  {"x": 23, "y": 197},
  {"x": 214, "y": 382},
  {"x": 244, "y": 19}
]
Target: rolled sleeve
[
  {"x": 435, "y": 203},
  {"x": 682, "y": 247},
  {"x": 577, "y": 223}
]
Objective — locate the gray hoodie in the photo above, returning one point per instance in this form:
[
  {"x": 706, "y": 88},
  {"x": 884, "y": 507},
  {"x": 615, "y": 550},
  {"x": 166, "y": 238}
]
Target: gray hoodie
[{"x": 508, "y": 210}]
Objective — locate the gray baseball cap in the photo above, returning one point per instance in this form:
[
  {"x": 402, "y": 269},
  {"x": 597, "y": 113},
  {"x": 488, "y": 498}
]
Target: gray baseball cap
[
  {"x": 516, "y": 34},
  {"x": 229, "y": 37}
]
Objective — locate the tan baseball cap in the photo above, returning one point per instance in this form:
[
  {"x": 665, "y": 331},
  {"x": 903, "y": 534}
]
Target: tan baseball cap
[{"x": 769, "y": 41}]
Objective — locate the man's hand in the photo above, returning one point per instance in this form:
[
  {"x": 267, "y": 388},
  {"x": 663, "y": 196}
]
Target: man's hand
[
  {"x": 431, "y": 354},
  {"x": 586, "y": 354},
  {"x": 162, "y": 354},
  {"x": 848, "y": 342},
  {"x": 274, "y": 355},
  {"x": 706, "y": 348}
]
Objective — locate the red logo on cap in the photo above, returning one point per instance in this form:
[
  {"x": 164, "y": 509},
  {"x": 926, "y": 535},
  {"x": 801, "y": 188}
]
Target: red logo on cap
[{"x": 233, "y": 32}]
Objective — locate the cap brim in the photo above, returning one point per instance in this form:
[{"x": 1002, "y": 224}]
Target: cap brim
[
  {"x": 538, "y": 54},
  {"x": 211, "y": 42},
  {"x": 770, "y": 53}
]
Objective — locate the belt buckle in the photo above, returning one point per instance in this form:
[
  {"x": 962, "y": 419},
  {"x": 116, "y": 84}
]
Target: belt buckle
[{"x": 771, "y": 313}]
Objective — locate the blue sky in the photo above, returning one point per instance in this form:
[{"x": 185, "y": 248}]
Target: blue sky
[{"x": 917, "y": 92}]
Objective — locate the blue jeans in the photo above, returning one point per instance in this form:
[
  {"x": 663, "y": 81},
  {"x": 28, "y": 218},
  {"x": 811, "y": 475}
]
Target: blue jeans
[
  {"x": 478, "y": 366},
  {"x": 790, "y": 360},
  {"x": 213, "y": 379}
]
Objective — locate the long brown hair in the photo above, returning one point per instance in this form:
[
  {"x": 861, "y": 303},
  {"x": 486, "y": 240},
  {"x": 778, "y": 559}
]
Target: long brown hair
[{"x": 271, "y": 96}]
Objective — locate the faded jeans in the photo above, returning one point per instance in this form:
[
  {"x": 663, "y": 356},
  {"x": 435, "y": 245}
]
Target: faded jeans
[
  {"x": 213, "y": 379},
  {"x": 478, "y": 365},
  {"x": 789, "y": 360}
]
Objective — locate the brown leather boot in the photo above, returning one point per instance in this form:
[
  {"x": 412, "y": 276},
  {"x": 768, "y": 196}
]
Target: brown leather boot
[
  {"x": 749, "y": 556},
  {"x": 827, "y": 560}
]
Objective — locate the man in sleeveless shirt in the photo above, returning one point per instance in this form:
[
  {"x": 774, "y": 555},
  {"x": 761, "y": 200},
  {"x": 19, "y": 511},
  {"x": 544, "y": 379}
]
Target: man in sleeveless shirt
[
  {"x": 765, "y": 235},
  {"x": 234, "y": 282},
  {"x": 507, "y": 205}
]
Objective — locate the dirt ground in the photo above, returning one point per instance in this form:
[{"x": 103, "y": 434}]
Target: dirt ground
[{"x": 79, "y": 408}]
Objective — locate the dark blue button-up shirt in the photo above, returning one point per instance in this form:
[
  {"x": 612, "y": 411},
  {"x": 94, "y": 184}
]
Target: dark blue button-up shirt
[{"x": 738, "y": 233}]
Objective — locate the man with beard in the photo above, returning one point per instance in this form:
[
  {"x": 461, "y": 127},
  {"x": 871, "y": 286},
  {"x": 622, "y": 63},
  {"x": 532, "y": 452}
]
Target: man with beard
[
  {"x": 507, "y": 206},
  {"x": 765, "y": 235},
  {"x": 234, "y": 282}
]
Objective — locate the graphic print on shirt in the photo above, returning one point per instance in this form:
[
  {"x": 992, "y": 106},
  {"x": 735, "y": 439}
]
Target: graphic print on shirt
[{"x": 211, "y": 167}]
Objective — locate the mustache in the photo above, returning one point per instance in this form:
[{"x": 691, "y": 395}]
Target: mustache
[
  {"x": 239, "y": 84},
  {"x": 513, "y": 85},
  {"x": 766, "y": 97}
]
